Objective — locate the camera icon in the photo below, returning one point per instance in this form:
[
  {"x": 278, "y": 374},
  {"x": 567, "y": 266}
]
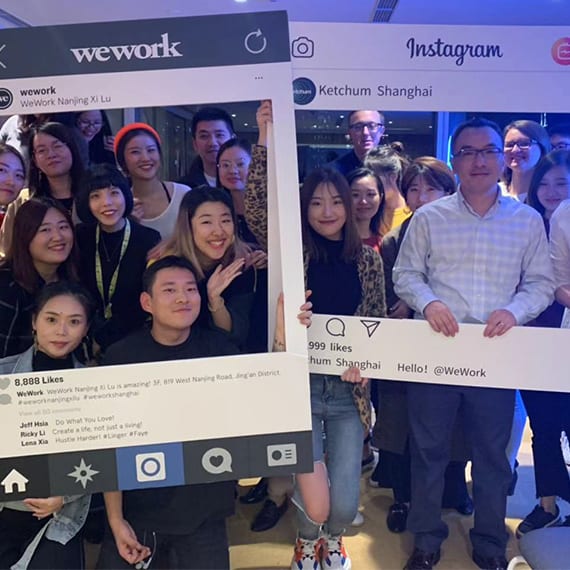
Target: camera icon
[
  {"x": 302, "y": 47},
  {"x": 284, "y": 454},
  {"x": 150, "y": 467}
]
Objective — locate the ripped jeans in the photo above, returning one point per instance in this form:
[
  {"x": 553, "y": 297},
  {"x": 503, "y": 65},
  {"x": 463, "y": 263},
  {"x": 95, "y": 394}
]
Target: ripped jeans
[{"x": 338, "y": 433}]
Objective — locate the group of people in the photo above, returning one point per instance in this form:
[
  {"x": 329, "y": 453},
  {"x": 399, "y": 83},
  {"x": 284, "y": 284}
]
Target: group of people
[{"x": 90, "y": 250}]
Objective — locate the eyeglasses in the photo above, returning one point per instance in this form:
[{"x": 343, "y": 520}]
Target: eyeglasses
[
  {"x": 145, "y": 564},
  {"x": 45, "y": 151},
  {"x": 472, "y": 153},
  {"x": 523, "y": 145},
  {"x": 226, "y": 165},
  {"x": 561, "y": 146},
  {"x": 371, "y": 126},
  {"x": 87, "y": 124}
]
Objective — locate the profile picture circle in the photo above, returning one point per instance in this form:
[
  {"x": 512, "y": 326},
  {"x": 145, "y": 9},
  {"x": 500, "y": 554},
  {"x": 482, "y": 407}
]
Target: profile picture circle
[
  {"x": 304, "y": 90},
  {"x": 561, "y": 51},
  {"x": 6, "y": 98},
  {"x": 150, "y": 466}
]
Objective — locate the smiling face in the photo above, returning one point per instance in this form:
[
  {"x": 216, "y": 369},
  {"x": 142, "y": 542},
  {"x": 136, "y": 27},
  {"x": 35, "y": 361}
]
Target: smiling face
[
  {"x": 108, "y": 207},
  {"x": 174, "y": 301},
  {"x": 420, "y": 192},
  {"x": 142, "y": 157},
  {"x": 365, "y": 131},
  {"x": 479, "y": 173},
  {"x": 52, "y": 156},
  {"x": 53, "y": 241},
  {"x": 553, "y": 189},
  {"x": 60, "y": 326},
  {"x": 213, "y": 230},
  {"x": 232, "y": 168},
  {"x": 520, "y": 159},
  {"x": 90, "y": 123},
  {"x": 208, "y": 138},
  {"x": 12, "y": 177},
  {"x": 366, "y": 198},
  {"x": 326, "y": 213}
]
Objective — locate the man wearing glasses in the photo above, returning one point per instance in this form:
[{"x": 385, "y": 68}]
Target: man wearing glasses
[
  {"x": 473, "y": 257},
  {"x": 365, "y": 129},
  {"x": 560, "y": 136}
]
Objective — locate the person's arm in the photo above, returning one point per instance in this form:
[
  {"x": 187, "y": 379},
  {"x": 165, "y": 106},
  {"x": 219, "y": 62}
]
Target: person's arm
[
  {"x": 410, "y": 278},
  {"x": 536, "y": 288},
  {"x": 255, "y": 198},
  {"x": 304, "y": 317},
  {"x": 560, "y": 252},
  {"x": 128, "y": 546},
  {"x": 218, "y": 282},
  {"x": 371, "y": 274}
]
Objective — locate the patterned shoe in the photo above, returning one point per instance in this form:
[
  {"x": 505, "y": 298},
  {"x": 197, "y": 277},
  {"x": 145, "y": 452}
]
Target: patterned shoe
[
  {"x": 335, "y": 556},
  {"x": 307, "y": 555}
]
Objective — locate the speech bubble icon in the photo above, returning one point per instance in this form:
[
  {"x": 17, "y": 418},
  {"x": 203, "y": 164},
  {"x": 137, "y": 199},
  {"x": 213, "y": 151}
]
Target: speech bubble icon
[
  {"x": 5, "y": 399},
  {"x": 217, "y": 461},
  {"x": 4, "y": 383},
  {"x": 335, "y": 327}
]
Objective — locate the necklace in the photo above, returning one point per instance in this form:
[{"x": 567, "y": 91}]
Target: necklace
[{"x": 109, "y": 256}]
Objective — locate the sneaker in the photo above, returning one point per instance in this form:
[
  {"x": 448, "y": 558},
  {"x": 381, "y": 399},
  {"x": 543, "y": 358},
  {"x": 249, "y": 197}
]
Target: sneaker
[
  {"x": 335, "y": 556},
  {"x": 307, "y": 555},
  {"x": 358, "y": 519},
  {"x": 374, "y": 479},
  {"x": 538, "y": 518},
  {"x": 369, "y": 463}
]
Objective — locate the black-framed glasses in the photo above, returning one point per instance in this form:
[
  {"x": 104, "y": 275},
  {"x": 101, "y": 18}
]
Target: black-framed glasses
[
  {"x": 523, "y": 144},
  {"x": 145, "y": 564},
  {"x": 371, "y": 126},
  {"x": 86, "y": 124},
  {"x": 468, "y": 153}
]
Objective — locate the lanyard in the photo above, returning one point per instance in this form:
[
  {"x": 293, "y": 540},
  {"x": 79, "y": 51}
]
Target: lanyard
[{"x": 99, "y": 271}]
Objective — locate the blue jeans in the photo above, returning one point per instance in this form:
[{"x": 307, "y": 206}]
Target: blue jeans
[{"x": 337, "y": 431}]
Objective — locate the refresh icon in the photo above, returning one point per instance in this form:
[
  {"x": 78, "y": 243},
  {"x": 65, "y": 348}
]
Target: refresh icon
[{"x": 255, "y": 42}]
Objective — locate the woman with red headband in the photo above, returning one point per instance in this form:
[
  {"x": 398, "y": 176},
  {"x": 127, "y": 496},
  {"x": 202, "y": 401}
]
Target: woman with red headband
[{"x": 138, "y": 152}]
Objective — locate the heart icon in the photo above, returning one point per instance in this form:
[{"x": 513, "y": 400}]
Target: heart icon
[{"x": 4, "y": 383}]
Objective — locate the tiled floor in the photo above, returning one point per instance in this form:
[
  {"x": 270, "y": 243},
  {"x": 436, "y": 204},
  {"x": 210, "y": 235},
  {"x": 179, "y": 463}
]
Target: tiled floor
[{"x": 372, "y": 546}]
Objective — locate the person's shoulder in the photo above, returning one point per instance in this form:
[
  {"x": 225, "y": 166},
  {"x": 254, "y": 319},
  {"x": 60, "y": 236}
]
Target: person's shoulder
[
  {"x": 180, "y": 188},
  {"x": 8, "y": 364},
  {"x": 121, "y": 351},
  {"x": 7, "y": 277},
  {"x": 563, "y": 211},
  {"x": 215, "y": 342},
  {"x": 144, "y": 234}
]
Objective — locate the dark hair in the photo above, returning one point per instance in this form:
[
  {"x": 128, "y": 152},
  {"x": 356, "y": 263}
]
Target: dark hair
[
  {"x": 9, "y": 149},
  {"x": 231, "y": 143},
  {"x": 98, "y": 154},
  {"x": 545, "y": 164},
  {"x": 388, "y": 159},
  {"x": 532, "y": 130},
  {"x": 168, "y": 262},
  {"x": 561, "y": 129},
  {"x": 435, "y": 172},
  {"x": 181, "y": 242},
  {"x": 359, "y": 110},
  {"x": 474, "y": 123},
  {"x": 352, "y": 244},
  {"x": 38, "y": 182},
  {"x": 67, "y": 289},
  {"x": 362, "y": 172},
  {"x": 211, "y": 114},
  {"x": 102, "y": 176},
  {"x": 27, "y": 221},
  {"x": 129, "y": 136}
]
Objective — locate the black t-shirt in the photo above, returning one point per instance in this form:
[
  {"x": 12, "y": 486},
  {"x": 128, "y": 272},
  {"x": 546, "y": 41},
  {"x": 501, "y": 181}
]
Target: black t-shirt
[{"x": 174, "y": 510}]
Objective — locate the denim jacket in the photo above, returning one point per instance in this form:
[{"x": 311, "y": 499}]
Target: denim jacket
[{"x": 66, "y": 523}]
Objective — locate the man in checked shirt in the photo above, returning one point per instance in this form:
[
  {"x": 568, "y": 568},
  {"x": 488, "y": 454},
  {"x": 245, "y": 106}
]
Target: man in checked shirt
[{"x": 473, "y": 257}]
